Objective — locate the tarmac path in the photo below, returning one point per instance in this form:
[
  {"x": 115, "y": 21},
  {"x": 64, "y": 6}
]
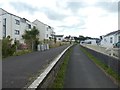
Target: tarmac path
[{"x": 83, "y": 73}]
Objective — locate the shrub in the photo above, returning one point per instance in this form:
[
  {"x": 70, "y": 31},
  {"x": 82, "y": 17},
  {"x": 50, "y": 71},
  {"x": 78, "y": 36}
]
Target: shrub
[{"x": 7, "y": 48}]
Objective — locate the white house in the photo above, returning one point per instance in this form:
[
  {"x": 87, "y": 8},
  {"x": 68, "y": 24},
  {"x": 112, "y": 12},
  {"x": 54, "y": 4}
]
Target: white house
[
  {"x": 13, "y": 26},
  {"x": 111, "y": 38},
  {"x": 90, "y": 41},
  {"x": 46, "y": 31},
  {"x": 59, "y": 38}
]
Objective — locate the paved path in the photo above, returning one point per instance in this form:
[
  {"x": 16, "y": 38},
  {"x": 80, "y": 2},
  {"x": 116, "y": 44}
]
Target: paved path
[
  {"x": 17, "y": 70},
  {"x": 83, "y": 73}
]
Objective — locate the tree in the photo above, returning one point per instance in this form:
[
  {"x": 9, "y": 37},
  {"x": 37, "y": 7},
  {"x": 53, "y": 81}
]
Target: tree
[
  {"x": 81, "y": 38},
  {"x": 77, "y": 39},
  {"x": 31, "y": 37},
  {"x": 7, "y": 48}
]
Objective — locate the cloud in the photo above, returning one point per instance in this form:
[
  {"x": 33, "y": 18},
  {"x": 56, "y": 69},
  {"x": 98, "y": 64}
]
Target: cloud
[
  {"x": 69, "y": 17},
  {"x": 0, "y": 5},
  {"x": 108, "y": 6},
  {"x": 75, "y": 6},
  {"x": 75, "y": 27},
  {"x": 52, "y": 14},
  {"x": 21, "y": 7}
]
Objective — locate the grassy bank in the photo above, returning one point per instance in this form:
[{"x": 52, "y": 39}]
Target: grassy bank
[
  {"x": 21, "y": 52},
  {"x": 103, "y": 66},
  {"x": 58, "y": 44},
  {"x": 59, "y": 81}
]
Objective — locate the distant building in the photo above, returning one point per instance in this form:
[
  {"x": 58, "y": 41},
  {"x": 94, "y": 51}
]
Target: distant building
[
  {"x": 110, "y": 39},
  {"x": 69, "y": 38},
  {"x": 59, "y": 38},
  {"x": 46, "y": 31},
  {"x": 90, "y": 41}
]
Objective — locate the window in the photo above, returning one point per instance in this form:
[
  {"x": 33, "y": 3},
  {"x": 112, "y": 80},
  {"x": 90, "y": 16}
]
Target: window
[
  {"x": 29, "y": 26},
  {"x": 119, "y": 38},
  {"x": 17, "y": 32},
  {"x": 4, "y": 31},
  {"x": 4, "y": 21},
  {"x": 47, "y": 35},
  {"x": 17, "y": 22},
  {"x": 4, "y": 27},
  {"x": 47, "y": 28},
  {"x": 105, "y": 40},
  {"x": 111, "y": 40},
  {"x": 59, "y": 39}
]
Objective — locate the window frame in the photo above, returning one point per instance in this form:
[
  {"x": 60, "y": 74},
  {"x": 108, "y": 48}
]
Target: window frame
[
  {"x": 118, "y": 38},
  {"x": 17, "y": 22},
  {"x": 111, "y": 39},
  {"x": 17, "y": 32}
]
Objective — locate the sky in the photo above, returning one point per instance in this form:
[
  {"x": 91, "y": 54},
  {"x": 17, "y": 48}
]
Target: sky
[{"x": 91, "y": 18}]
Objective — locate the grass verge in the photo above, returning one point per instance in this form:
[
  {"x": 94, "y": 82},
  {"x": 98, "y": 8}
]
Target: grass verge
[
  {"x": 59, "y": 80},
  {"x": 103, "y": 66},
  {"x": 21, "y": 52}
]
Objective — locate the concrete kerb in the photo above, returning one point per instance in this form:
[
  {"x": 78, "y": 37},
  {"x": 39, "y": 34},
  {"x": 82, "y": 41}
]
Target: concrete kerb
[{"x": 39, "y": 80}]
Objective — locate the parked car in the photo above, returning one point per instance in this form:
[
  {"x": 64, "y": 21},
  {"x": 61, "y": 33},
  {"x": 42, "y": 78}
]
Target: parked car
[{"x": 117, "y": 45}]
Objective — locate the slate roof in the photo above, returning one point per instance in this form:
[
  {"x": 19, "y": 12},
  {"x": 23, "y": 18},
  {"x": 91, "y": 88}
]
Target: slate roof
[
  {"x": 114, "y": 32},
  {"x": 14, "y": 15}
]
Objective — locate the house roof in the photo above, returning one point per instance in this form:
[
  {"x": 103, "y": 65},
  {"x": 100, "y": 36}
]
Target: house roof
[
  {"x": 59, "y": 35},
  {"x": 43, "y": 23},
  {"x": 14, "y": 15},
  {"x": 114, "y": 32}
]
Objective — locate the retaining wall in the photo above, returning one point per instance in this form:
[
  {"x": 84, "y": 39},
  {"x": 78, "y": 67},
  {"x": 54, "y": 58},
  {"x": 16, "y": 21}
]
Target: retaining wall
[
  {"x": 48, "y": 76},
  {"x": 112, "y": 62}
]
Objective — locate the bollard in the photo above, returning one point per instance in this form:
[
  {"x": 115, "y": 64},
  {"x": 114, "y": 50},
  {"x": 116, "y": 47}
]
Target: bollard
[
  {"x": 42, "y": 47},
  {"x": 38, "y": 47},
  {"x": 47, "y": 46}
]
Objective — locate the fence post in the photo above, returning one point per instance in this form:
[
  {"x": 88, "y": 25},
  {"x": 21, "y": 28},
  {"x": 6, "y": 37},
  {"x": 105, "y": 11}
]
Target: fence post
[
  {"x": 47, "y": 46},
  {"x": 111, "y": 52}
]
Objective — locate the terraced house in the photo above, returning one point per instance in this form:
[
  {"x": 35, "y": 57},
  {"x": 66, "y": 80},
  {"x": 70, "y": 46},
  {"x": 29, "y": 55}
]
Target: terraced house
[{"x": 15, "y": 26}]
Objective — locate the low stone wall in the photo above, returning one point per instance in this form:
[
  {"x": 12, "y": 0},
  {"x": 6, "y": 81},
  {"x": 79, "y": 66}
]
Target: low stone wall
[
  {"x": 114, "y": 52},
  {"x": 48, "y": 76},
  {"x": 48, "y": 81},
  {"x": 113, "y": 63}
]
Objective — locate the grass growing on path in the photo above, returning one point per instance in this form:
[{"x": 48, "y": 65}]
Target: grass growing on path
[
  {"x": 59, "y": 80},
  {"x": 103, "y": 66}
]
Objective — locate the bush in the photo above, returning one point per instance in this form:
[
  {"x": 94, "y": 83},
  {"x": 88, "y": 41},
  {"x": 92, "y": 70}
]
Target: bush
[{"x": 7, "y": 48}]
